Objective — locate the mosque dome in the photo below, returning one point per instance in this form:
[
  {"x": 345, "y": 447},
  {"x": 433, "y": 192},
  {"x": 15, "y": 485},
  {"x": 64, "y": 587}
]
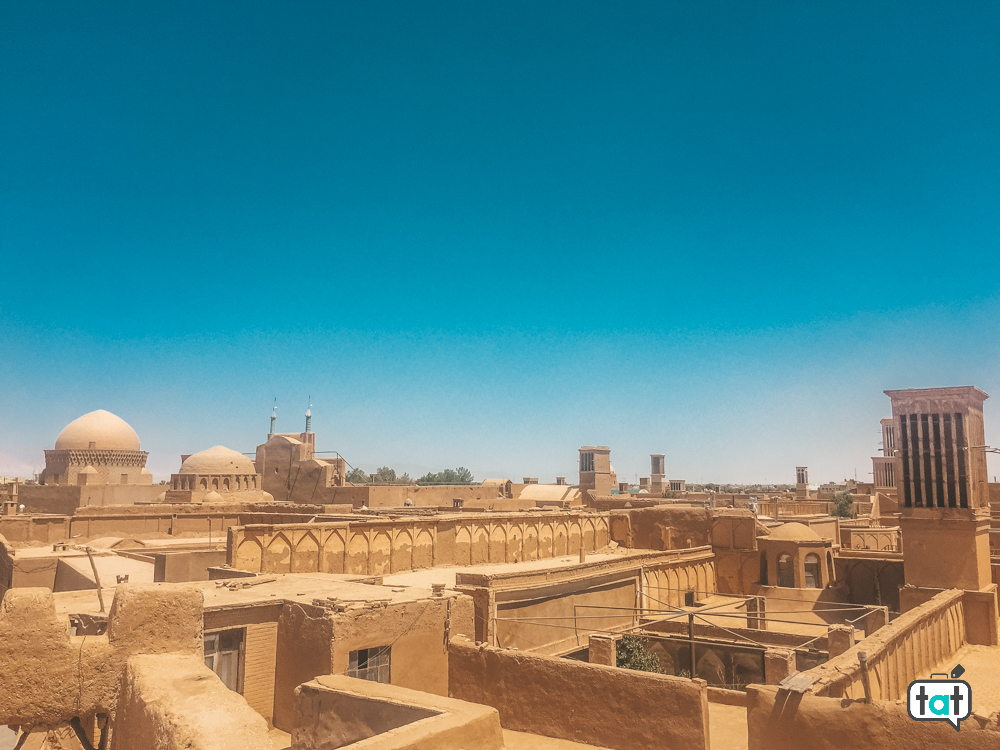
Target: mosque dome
[
  {"x": 217, "y": 460},
  {"x": 794, "y": 532},
  {"x": 99, "y": 430}
]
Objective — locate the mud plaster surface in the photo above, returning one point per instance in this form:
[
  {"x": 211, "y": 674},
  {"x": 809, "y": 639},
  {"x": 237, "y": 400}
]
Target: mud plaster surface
[
  {"x": 525, "y": 741},
  {"x": 982, "y": 672},
  {"x": 727, "y": 727},
  {"x": 446, "y": 575}
]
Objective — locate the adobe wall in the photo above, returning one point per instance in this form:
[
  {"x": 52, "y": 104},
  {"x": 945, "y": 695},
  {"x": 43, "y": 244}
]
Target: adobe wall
[
  {"x": 314, "y": 641},
  {"x": 783, "y": 721},
  {"x": 906, "y": 649},
  {"x": 47, "y": 677},
  {"x": 737, "y": 571},
  {"x": 175, "y": 702},
  {"x": 547, "y": 611},
  {"x": 661, "y": 528},
  {"x": 45, "y": 529},
  {"x": 304, "y": 651},
  {"x": 416, "y": 631},
  {"x": 193, "y": 565},
  {"x": 66, "y": 499},
  {"x": 871, "y": 579},
  {"x": 6, "y": 566},
  {"x": 337, "y": 711},
  {"x": 260, "y": 626},
  {"x": 140, "y": 520},
  {"x": 381, "y": 546},
  {"x": 599, "y": 705}
]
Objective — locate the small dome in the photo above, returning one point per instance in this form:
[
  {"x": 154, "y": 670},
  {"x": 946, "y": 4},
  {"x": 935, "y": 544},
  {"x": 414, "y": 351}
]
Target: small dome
[
  {"x": 794, "y": 532},
  {"x": 217, "y": 460},
  {"x": 102, "y": 429},
  {"x": 213, "y": 497},
  {"x": 89, "y": 470}
]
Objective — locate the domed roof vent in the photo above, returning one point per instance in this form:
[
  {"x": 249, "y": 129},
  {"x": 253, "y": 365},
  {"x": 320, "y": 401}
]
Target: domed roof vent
[
  {"x": 98, "y": 430},
  {"x": 217, "y": 460},
  {"x": 794, "y": 532}
]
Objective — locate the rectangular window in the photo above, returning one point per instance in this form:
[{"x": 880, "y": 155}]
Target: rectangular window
[
  {"x": 586, "y": 462},
  {"x": 223, "y": 653},
  {"x": 457, "y": 503},
  {"x": 371, "y": 664}
]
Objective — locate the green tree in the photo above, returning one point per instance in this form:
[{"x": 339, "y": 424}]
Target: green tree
[
  {"x": 461, "y": 475},
  {"x": 632, "y": 652},
  {"x": 385, "y": 475},
  {"x": 357, "y": 476},
  {"x": 843, "y": 504}
]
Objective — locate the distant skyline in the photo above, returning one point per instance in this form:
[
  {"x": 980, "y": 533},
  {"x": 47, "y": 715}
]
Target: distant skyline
[{"x": 485, "y": 235}]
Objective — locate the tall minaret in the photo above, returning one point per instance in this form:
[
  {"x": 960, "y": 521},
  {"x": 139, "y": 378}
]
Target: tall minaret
[
  {"x": 309, "y": 415},
  {"x": 274, "y": 416}
]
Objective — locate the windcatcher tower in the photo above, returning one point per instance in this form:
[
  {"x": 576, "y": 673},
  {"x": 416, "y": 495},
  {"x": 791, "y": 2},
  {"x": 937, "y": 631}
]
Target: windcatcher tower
[
  {"x": 942, "y": 486},
  {"x": 656, "y": 473},
  {"x": 595, "y": 471}
]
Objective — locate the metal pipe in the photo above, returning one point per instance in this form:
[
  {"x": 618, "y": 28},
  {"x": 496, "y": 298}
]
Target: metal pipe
[
  {"x": 97, "y": 577},
  {"x": 865, "y": 678}
]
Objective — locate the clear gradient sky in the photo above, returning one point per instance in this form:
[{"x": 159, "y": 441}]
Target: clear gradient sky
[{"x": 485, "y": 234}]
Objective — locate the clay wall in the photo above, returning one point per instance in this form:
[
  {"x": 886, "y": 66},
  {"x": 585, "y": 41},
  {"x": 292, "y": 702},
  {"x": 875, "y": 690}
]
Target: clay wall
[
  {"x": 66, "y": 499},
  {"x": 260, "y": 646},
  {"x": 139, "y": 520},
  {"x": 380, "y": 546},
  {"x": 782, "y": 721},
  {"x": 871, "y": 578},
  {"x": 190, "y": 565},
  {"x": 416, "y": 632},
  {"x": 737, "y": 571},
  {"x": 172, "y": 702},
  {"x": 314, "y": 641},
  {"x": 581, "y": 702},
  {"x": 385, "y": 717},
  {"x": 6, "y": 566},
  {"x": 661, "y": 528},
  {"x": 48, "y": 677},
  {"x": 45, "y": 529},
  {"x": 549, "y": 611},
  {"x": 906, "y": 649},
  {"x": 304, "y": 651}
]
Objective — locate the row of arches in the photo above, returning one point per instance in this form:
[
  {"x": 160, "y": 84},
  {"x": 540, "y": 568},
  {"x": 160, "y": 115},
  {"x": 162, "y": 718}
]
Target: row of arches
[
  {"x": 666, "y": 587},
  {"x": 378, "y": 551},
  {"x": 226, "y": 483}
]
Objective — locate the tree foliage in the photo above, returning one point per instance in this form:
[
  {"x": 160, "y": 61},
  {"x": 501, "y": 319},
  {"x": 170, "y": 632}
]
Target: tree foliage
[
  {"x": 357, "y": 476},
  {"x": 843, "y": 504},
  {"x": 461, "y": 475},
  {"x": 632, "y": 652},
  {"x": 384, "y": 475}
]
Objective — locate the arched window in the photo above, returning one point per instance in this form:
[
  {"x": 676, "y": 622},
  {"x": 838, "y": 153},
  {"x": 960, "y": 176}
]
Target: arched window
[
  {"x": 215, "y": 483},
  {"x": 225, "y": 483},
  {"x": 786, "y": 572},
  {"x": 763, "y": 569},
  {"x": 813, "y": 576},
  {"x": 204, "y": 484}
]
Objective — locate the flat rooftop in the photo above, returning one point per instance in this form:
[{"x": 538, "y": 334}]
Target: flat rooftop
[{"x": 271, "y": 589}]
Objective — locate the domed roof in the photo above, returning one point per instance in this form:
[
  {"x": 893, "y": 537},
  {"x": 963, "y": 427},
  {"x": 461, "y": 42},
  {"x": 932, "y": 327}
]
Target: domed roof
[
  {"x": 217, "y": 460},
  {"x": 213, "y": 497},
  {"x": 794, "y": 532},
  {"x": 103, "y": 429}
]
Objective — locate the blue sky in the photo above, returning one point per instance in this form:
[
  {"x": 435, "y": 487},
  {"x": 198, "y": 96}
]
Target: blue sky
[{"x": 485, "y": 234}]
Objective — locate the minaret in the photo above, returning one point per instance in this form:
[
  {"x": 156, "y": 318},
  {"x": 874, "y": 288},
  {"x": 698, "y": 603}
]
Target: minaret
[
  {"x": 274, "y": 416},
  {"x": 309, "y": 416}
]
